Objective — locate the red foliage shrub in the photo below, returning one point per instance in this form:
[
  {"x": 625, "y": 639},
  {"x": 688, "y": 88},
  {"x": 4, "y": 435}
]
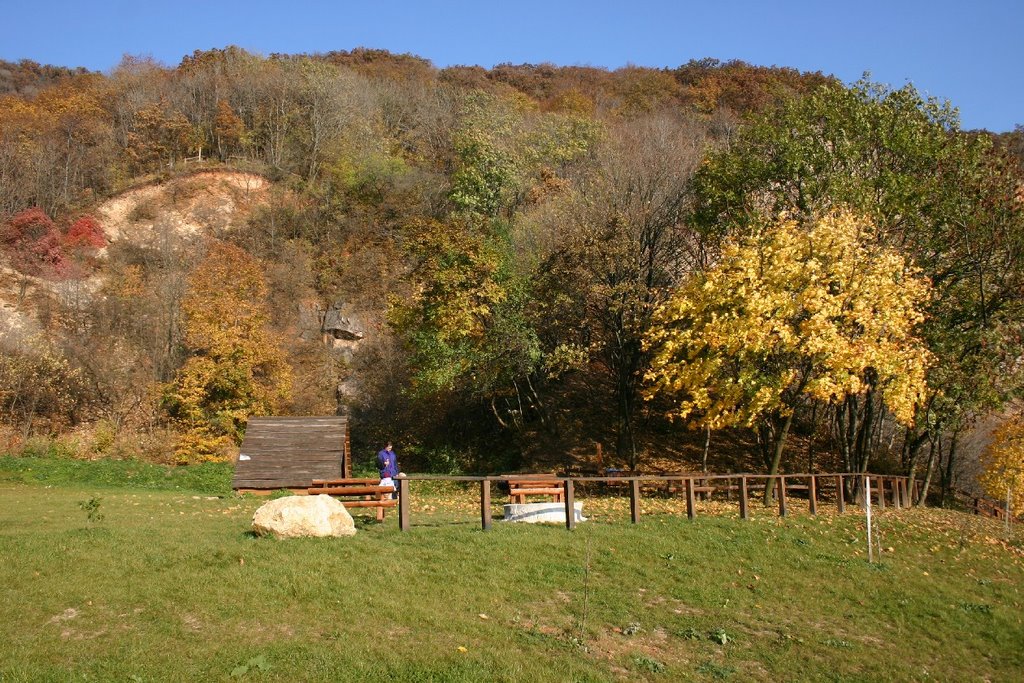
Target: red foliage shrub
[
  {"x": 26, "y": 227},
  {"x": 85, "y": 234},
  {"x": 32, "y": 242}
]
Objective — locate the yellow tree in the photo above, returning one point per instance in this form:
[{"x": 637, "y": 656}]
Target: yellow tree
[
  {"x": 235, "y": 368},
  {"x": 790, "y": 312},
  {"x": 1003, "y": 463}
]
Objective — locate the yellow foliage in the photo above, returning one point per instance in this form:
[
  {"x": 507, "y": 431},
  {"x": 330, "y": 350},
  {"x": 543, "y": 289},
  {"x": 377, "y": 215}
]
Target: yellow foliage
[
  {"x": 1003, "y": 463},
  {"x": 457, "y": 292},
  {"x": 822, "y": 310},
  {"x": 236, "y": 368}
]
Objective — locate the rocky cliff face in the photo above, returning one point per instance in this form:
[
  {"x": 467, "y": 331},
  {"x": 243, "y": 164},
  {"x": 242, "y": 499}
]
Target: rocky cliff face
[
  {"x": 343, "y": 329},
  {"x": 211, "y": 202},
  {"x": 161, "y": 222}
]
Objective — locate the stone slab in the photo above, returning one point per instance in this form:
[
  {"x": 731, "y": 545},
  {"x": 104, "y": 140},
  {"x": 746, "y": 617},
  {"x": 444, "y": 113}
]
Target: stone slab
[{"x": 541, "y": 513}]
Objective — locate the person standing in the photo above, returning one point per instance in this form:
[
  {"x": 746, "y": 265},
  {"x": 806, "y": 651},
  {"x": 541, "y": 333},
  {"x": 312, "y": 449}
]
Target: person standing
[{"x": 387, "y": 464}]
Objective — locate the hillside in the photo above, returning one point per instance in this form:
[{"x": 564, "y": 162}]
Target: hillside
[{"x": 478, "y": 264}]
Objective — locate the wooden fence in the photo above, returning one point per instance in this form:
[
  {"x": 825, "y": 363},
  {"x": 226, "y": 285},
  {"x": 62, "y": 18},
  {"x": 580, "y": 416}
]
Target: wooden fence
[
  {"x": 886, "y": 490},
  {"x": 983, "y": 506}
]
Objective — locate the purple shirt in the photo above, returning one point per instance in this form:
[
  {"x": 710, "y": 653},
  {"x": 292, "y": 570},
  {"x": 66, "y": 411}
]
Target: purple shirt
[{"x": 387, "y": 463}]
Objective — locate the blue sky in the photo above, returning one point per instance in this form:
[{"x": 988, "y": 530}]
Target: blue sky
[{"x": 971, "y": 53}]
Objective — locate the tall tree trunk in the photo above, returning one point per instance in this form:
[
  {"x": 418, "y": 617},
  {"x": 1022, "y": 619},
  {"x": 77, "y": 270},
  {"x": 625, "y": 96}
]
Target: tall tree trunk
[
  {"x": 779, "y": 445},
  {"x": 934, "y": 453},
  {"x": 810, "y": 441},
  {"x": 846, "y": 415},
  {"x": 625, "y": 446},
  {"x": 947, "y": 473},
  {"x": 626, "y": 361},
  {"x": 707, "y": 447},
  {"x": 536, "y": 403},
  {"x": 912, "y": 446},
  {"x": 862, "y": 455}
]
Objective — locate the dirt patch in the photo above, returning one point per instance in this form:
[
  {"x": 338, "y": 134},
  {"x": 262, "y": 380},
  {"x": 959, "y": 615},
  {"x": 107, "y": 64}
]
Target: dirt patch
[
  {"x": 72, "y": 634},
  {"x": 191, "y": 623},
  {"x": 67, "y": 615}
]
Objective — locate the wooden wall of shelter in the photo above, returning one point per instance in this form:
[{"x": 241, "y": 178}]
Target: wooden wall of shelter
[{"x": 290, "y": 452}]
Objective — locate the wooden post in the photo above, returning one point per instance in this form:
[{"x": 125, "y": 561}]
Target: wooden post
[
  {"x": 867, "y": 499},
  {"x": 634, "y": 500},
  {"x": 403, "y": 504},
  {"x": 570, "y": 507},
  {"x": 896, "y": 494},
  {"x": 1007, "y": 510},
  {"x": 689, "y": 499},
  {"x": 485, "y": 504},
  {"x": 812, "y": 494},
  {"x": 782, "y": 496},
  {"x": 744, "y": 499},
  {"x": 881, "y": 493},
  {"x": 840, "y": 494}
]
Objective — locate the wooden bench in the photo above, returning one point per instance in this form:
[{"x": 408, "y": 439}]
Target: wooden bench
[
  {"x": 700, "y": 487},
  {"x": 521, "y": 487},
  {"x": 366, "y": 493}
]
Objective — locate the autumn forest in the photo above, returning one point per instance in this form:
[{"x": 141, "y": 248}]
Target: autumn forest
[{"x": 719, "y": 266}]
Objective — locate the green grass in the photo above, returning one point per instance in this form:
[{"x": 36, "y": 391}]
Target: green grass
[
  {"x": 171, "y": 586},
  {"x": 207, "y": 478}
]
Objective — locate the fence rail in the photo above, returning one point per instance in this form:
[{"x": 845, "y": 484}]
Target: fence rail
[
  {"x": 984, "y": 506},
  {"x": 885, "y": 489}
]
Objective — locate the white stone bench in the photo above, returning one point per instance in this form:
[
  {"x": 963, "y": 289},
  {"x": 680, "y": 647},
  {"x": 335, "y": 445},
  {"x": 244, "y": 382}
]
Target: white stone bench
[{"x": 540, "y": 513}]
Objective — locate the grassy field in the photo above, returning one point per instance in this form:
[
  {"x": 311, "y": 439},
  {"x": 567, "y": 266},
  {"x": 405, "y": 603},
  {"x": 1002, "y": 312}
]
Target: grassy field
[{"x": 170, "y": 585}]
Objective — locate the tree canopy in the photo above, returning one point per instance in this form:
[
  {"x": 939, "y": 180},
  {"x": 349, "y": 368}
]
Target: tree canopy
[
  {"x": 944, "y": 198},
  {"x": 789, "y": 312}
]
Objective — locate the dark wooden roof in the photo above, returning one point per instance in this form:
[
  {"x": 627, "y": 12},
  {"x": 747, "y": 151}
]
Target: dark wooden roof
[{"x": 290, "y": 452}]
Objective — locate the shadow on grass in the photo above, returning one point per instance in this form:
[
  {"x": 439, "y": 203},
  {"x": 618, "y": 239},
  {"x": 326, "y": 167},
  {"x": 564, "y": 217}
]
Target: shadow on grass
[
  {"x": 439, "y": 524},
  {"x": 366, "y": 523}
]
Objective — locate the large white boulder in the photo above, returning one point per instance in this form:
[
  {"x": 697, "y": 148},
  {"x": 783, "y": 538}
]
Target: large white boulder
[{"x": 294, "y": 516}]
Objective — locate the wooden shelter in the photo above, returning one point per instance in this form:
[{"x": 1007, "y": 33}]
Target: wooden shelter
[{"x": 290, "y": 452}]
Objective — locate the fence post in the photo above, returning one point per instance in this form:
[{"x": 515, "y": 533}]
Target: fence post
[
  {"x": 840, "y": 494},
  {"x": 485, "y": 504},
  {"x": 403, "y": 504},
  {"x": 689, "y": 499},
  {"x": 634, "y": 500},
  {"x": 744, "y": 500},
  {"x": 570, "y": 506},
  {"x": 812, "y": 494},
  {"x": 867, "y": 509},
  {"x": 782, "y": 496},
  {"x": 1007, "y": 512},
  {"x": 881, "y": 493}
]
